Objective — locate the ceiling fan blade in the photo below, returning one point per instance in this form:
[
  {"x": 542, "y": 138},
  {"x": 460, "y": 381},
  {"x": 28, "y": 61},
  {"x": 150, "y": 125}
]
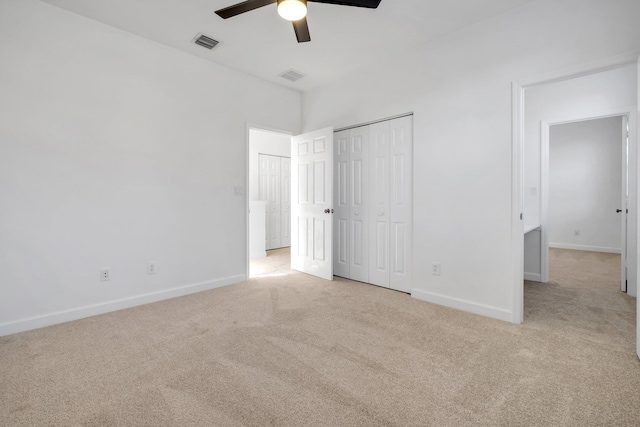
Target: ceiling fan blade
[
  {"x": 243, "y": 7},
  {"x": 371, "y": 4},
  {"x": 302, "y": 30}
]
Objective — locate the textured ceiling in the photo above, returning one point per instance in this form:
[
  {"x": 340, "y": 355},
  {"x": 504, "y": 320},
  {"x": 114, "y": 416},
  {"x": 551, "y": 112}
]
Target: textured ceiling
[{"x": 344, "y": 40}]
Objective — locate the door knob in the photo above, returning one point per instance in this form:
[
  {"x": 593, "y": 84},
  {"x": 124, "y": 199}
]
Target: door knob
[
  {"x": 326, "y": 211},
  {"x": 618, "y": 210},
  {"x": 381, "y": 214}
]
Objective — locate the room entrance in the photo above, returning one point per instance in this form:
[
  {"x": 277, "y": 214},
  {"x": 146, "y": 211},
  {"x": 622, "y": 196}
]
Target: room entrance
[
  {"x": 594, "y": 91},
  {"x": 269, "y": 199},
  {"x": 585, "y": 197}
]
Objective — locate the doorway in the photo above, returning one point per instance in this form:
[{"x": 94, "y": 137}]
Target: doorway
[
  {"x": 584, "y": 209},
  {"x": 269, "y": 206},
  {"x": 310, "y": 202},
  {"x": 591, "y": 87}
]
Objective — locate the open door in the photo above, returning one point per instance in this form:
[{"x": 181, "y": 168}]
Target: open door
[
  {"x": 312, "y": 203},
  {"x": 624, "y": 208}
]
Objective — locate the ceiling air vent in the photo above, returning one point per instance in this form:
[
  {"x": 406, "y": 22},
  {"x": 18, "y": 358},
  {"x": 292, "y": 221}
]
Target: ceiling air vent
[
  {"x": 292, "y": 75},
  {"x": 205, "y": 41}
]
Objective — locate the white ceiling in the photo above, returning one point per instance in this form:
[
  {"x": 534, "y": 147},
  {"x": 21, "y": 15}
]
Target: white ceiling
[{"x": 343, "y": 39}]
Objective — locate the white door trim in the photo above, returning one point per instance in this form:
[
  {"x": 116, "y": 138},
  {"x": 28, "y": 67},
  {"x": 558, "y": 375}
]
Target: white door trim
[
  {"x": 517, "y": 201},
  {"x": 638, "y": 187},
  {"x": 545, "y": 125},
  {"x": 517, "y": 159}
]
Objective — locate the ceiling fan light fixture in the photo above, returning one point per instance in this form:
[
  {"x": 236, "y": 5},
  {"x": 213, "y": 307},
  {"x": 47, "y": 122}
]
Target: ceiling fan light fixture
[{"x": 292, "y": 10}]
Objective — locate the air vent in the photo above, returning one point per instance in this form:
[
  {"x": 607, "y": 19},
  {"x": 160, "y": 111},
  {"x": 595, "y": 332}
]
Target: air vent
[
  {"x": 205, "y": 41},
  {"x": 292, "y": 75}
]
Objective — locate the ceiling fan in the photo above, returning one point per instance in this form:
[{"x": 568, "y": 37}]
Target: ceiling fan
[{"x": 292, "y": 10}]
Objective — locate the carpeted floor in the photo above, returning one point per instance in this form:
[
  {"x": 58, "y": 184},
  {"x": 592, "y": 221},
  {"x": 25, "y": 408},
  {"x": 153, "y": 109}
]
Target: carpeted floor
[
  {"x": 582, "y": 269},
  {"x": 284, "y": 349}
]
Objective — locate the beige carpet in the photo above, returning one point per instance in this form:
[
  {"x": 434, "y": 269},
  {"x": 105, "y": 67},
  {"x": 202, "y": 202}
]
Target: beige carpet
[
  {"x": 594, "y": 270},
  {"x": 290, "y": 350}
]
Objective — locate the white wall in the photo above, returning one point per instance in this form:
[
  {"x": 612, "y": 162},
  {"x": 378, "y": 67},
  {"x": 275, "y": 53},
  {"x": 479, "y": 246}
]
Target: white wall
[
  {"x": 264, "y": 142},
  {"x": 577, "y": 97},
  {"x": 459, "y": 89},
  {"x": 116, "y": 151},
  {"x": 585, "y": 185}
]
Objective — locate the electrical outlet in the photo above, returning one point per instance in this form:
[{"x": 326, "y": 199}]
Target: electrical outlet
[
  {"x": 104, "y": 275},
  {"x": 151, "y": 268},
  {"x": 435, "y": 269}
]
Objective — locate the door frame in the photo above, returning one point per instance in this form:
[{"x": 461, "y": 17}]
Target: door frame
[
  {"x": 545, "y": 125},
  {"x": 517, "y": 163},
  {"x": 248, "y": 127}
]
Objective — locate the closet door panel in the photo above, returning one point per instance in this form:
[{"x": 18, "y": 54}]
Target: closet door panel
[
  {"x": 359, "y": 206},
  {"x": 263, "y": 177},
  {"x": 379, "y": 204},
  {"x": 341, "y": 206},
  {"x": 285, "y": 201},
  {"x": 273, "y": 204},
  {"x": 401, "y": 195}
]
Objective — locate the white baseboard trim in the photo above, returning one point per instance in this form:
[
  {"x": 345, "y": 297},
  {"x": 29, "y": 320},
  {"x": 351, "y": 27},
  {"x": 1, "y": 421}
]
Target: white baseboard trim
[
  {"x": 464, "y": 305},
  {"x": 533, "y": 277},
  {"x": 585, "y": 248},
  {"x": 63, "y": 316}
]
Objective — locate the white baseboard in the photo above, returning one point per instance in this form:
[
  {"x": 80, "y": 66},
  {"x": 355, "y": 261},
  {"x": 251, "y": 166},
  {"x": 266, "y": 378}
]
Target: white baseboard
[
  {"x": 57, "y": 317},
  {"x": 532, "y": 277},
  {"x": 464, "y": 305},
  {"x": 585, "y": 248}
]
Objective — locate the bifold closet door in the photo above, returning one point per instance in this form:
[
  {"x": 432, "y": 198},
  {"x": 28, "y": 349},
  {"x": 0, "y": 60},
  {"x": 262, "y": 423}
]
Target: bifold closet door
[
  {"x": 285, "y": 199},
  {"x": 401, "y": 202},
  {"x": 351, "y": 216},
  {"x": 359, "y": 204},
  {"x": 373, "y": 205},
  {"x": 341, "y": 206},
  {"x": 270, "y": 192},
  {"x": 379, "y": 270},
  {"x": 275, "y": 189}
]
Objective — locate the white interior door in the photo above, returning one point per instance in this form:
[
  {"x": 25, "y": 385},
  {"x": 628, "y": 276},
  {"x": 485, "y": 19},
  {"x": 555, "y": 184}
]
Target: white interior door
[
  {"x": 624, "y": 208},
  {"x": 312, "y": 203}
]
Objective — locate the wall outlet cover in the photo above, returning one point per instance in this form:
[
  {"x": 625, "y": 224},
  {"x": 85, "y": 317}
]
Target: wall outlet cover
[{"x": 435, "y": 269}]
